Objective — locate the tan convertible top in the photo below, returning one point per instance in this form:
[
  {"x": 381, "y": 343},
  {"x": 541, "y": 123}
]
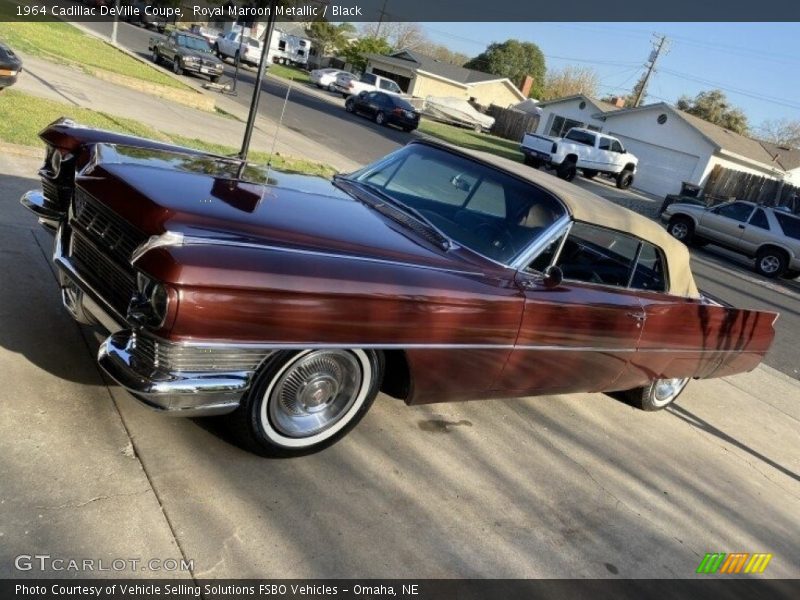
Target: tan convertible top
[{"x": 591, "y": 208}]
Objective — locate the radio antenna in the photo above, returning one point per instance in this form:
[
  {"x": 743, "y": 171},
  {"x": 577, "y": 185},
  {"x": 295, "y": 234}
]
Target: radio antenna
[{"x": 278, "y": 128}]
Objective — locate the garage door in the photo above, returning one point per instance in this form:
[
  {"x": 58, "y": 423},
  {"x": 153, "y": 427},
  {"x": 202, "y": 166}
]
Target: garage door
[{"x": 660, "y": 170}]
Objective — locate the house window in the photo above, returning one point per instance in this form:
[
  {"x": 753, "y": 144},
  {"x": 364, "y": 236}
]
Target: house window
[
  {"x": 282, "y": 45},
  {"x": 561, "y": 125}
]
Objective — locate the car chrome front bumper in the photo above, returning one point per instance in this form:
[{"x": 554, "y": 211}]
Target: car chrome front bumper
[
  {"x": 180, "y": 380},
  {"x": 181, "y": 394}
]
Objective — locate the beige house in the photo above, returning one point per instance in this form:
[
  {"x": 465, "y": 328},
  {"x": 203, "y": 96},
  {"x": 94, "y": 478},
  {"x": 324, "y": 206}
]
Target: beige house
[{"x": 421, "y": 76}]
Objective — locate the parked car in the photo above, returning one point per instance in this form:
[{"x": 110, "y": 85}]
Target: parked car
[
  {"x": 435, "y": 274},
  {"x": 187, "y": 53},
  {"x": 234, "y": 45},
  {"x": 325, "y": 78},
  {"x": 384, "y": 109},
  {"x": 348, "y": 86},
  {"x": 771, "y": 236},
  {"x": 592, "y": 152},
  {"x": 10, "y": 66}
]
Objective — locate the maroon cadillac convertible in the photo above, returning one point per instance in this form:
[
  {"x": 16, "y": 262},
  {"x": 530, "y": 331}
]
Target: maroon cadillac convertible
[{"x": 435, "y": 274}]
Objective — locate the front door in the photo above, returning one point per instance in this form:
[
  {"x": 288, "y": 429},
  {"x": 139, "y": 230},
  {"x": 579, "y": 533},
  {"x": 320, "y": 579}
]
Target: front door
[
  {"x": 725, "y": 223},
  {"x": 580, "y": 335}
]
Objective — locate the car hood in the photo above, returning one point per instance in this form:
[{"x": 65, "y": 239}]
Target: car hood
[
  {"x": 205, "y": 56},
  {"x": 200, "y": 195}
]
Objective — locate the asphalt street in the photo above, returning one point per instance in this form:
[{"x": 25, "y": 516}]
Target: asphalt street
[
  {"x": 308, "y": 114},
  {"x": 720, "y": 273}
]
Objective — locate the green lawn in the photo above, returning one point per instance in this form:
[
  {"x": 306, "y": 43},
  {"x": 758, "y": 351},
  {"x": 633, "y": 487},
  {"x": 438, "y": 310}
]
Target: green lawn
[
  {"x": 470, "y": 139},
  {"x": 286, "y": 72},
  {"x": 61, "y": 42},
  {"x": 23, "y": 116}
]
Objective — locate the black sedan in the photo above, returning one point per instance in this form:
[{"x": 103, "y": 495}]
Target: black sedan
[
  {"x": 10, "y": 66},
  {"x": 384, "y": 109}
]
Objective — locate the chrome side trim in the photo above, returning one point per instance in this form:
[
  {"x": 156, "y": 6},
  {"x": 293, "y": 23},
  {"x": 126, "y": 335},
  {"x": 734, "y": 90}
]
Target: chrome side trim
[
  {"x": 172, "y": 238},
  {"x": 180, "y": 394}
]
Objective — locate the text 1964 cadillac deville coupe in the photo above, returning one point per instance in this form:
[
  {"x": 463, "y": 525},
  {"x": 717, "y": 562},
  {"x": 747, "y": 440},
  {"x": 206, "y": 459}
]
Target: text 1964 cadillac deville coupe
[{"x": 435, "y": 274}]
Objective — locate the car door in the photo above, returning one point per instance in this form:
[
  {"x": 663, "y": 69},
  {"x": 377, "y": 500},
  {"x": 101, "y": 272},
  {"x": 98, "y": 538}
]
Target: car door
[
  {"x": 616, "y": 156},
  {"x": 579, "y": 335},
  {"x": 368, "y": 104},
  {"x": 172, "y": 46},
  {"x": 604, "y": 155},
  {"x": 756, "y": 232},
  {"x": 725, "y": 224}
]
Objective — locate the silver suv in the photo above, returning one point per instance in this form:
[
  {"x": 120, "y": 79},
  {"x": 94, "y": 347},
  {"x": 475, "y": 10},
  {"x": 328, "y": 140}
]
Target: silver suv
[{"x": 770, "y": 235}]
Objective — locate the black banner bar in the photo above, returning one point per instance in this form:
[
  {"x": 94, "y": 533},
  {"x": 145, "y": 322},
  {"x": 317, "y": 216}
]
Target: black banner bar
[
  {"x": 719, "y": 588},
  {"x": 411, "y": 10}
]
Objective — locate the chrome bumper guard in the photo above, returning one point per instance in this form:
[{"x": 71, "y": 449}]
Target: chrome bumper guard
[
  {"x": 176, "y": 393},
  {"x": 49, "y": 215}
]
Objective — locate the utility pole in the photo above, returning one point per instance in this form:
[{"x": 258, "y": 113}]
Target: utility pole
[
  {"x": 380, "y": 19},
  {"x": 660, "y": 44},
  {"x": 115, "y": 24}
]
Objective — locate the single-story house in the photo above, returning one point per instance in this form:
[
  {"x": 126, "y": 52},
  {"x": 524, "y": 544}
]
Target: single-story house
[
  {"x": 674, "y": 146},
  {"x": 420, "y": 75},
  {"x": 788, "y": 159},
  {"x": 562, "y": 114}
]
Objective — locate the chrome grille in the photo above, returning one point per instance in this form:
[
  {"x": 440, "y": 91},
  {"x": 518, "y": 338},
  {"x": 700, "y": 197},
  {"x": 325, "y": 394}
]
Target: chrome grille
[
  {"x": 167, "y": 356},
  {"x": 113, "y": 283},
  {"x": 57, "y": 195},
  {"x": 106, "y": 229}
]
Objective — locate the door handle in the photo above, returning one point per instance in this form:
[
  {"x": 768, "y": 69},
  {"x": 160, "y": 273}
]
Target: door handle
[{"x": 638, "y": 316}]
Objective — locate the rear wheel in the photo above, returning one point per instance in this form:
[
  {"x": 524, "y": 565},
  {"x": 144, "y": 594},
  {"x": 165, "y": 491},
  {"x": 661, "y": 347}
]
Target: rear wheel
[
  {"x": 331, "y": 88},
  {"x": 589, "y": 173},
  {"x": 214, "y": 78},
  {"x": 681, "y": 228},
  {"x": 771, "y": 262},
  {"x": 302, "y": 402},
  {"x": 625, "y": 179},
  {"x": 567, "y": 171},
  {"x": 659, "y": 394}
]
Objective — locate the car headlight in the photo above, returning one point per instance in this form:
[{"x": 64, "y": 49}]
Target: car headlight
[
  {"x": 190, "y": 59},
  {"x": 55, "y": 162},
  {"x": 149, "y": 306}
]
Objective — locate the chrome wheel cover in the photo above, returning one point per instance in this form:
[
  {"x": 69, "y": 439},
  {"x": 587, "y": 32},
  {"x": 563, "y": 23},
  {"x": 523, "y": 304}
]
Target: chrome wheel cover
[
  {"x": 770, "y": 264},
  {"x": 679, "y": 230},
  {"x": 665, "y": 390},
  {"x": 314, "y": 392}
]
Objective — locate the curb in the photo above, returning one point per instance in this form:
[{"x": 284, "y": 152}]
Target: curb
[
  {"x": 193, "y": 97},
  {"x": 20, "y": 150},
  {"x": 772, "y": 372}
]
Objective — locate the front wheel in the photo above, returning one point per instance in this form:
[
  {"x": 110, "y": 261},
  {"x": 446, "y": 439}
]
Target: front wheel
[
  {"x": 380, "y": 118},
  {"x": 176, "y": 66},
  {"x": 350, "y": 105},
  {"x": 302, "y": 402},
  {"x": 156, "y": 58},
  {"x": 681, "y": 228},
  {"x": 659, "y": 394},
  {"x": 625, "y": 179}
]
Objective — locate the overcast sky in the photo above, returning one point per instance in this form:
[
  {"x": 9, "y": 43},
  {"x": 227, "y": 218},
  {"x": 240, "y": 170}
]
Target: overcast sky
[{"x": 756, "y": 64}]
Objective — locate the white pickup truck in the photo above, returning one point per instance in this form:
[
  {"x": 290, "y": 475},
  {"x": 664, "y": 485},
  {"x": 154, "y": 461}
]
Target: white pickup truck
[
  {"x": 590, "y": 151},
  {"x": 348, "y": 86}
]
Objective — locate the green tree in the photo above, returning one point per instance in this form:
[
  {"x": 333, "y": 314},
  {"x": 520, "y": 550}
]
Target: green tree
[
  {"x": 356, "y": 53},
  {"x": 329, "y": 38},
  {"x": 515, "y": 60},
  {"x": 713, "y": 106}
]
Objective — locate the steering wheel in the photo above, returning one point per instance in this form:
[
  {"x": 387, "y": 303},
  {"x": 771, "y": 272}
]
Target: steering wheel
[{"x": 499, "y": 240}]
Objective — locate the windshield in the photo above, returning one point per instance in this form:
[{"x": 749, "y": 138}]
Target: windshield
[
  {"x": 193, "y": 43},
  {"x": 478, "y": 207}
]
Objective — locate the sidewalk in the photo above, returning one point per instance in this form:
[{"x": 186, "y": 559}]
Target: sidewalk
[
  {"x": 562, "y": 486},
  {"x": 73, "y": 86}
]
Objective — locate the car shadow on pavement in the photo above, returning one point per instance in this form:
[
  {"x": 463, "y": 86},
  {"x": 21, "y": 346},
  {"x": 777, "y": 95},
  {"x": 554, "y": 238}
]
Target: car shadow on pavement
[{"x": 692, "y": 419}]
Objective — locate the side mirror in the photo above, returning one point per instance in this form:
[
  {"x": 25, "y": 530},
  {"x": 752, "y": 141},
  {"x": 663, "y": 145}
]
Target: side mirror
[{"x": 553, "y": 276}]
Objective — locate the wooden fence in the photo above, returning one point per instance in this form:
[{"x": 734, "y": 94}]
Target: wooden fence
[
  {"x": 512, "y": 124},
  {"x": 723, "y": 184}
]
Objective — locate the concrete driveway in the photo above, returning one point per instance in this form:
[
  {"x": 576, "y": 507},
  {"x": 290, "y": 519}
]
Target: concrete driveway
[{"x": 561, "y": 486}]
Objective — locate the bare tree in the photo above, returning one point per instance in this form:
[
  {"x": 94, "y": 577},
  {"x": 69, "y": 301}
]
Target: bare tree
[
  {"x": 570, "y": 81},
  {"x": 399, "y": 35},
  {"x": 784, "y": 132}
]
